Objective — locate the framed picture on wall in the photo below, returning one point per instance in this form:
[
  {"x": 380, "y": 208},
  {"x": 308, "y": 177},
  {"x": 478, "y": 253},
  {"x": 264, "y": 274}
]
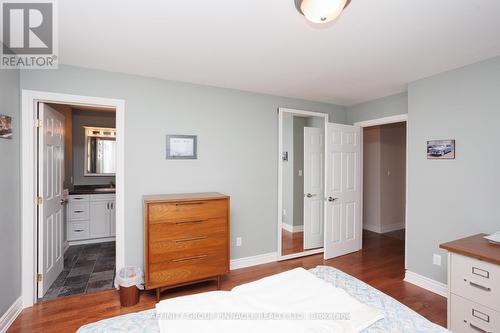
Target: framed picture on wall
[
  {"x": 441, "y": 150},
  {"x": 5, "y": 127},
  {"x": 182, "y": 147}
]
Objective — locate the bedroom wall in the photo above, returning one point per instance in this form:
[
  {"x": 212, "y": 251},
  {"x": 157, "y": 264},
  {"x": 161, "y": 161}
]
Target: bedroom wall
[
  {"x": 237, "y": 145},
  {"x": 10, "y": 197},
  {"x": 449, "y": 199},
  {"x": 287, "y": 188},
  {"x": 378, "y": 108}
]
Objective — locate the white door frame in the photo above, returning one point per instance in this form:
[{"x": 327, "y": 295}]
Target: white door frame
[
  {"x": 281, "y": 111},
  {"x": 400, "y": 118},
  {"x": 29, "y": 178}
]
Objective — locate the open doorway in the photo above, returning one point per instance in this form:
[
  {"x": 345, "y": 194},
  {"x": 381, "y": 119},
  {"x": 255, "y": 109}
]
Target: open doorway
[
  {"x": 302, "y": 138},
  {"x": 384, "y": 181},
  {"x": 76, "y": 167}
]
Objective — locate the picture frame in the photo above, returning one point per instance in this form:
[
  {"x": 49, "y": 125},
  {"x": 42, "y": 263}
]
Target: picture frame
[
  {"x": 182, "y": 147},
  {"x": 5, "y": 127},
  {"x": 441, "y": 150}
]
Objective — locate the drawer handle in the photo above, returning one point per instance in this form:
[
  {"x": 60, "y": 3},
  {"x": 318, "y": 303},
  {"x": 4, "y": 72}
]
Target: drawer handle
[
  {"x": 190, "y": 239},
  {"x": 477, "y": 285},
  {"x": 189, "y": 203},
  {"x": 479, "y": 329},
  {"x": 189, "y": 258},
  {"x": 78, "y": 198},
  {"x": 479, "y": 315},
  {"x": 480, "y": 272},
  {"x": 79, "y": 230},
  {"x": 78, "y": 211},
  {"x": 188, "y": 222}
]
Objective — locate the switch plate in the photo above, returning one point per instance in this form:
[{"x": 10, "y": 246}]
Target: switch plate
[
  {"x": 436, "y": 259},
  {"x": 300, "y": 173},
  {"x": 239, "y": 241}
]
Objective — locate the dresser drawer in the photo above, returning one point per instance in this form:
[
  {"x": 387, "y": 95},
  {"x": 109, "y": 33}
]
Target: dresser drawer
[
  {"x": 186, "y": 229},
  {"x": 186, "y": 211},
  {"x": 78, "y": 231},
  {"x": 467, "y": 316},
  {"x": 79, "y": 198},
  {"x": 476, "y": 280},
  {"x": 79, "y": 211},
  {"x": 169, "y": 250},
  {"x": 187, "y": 269}
]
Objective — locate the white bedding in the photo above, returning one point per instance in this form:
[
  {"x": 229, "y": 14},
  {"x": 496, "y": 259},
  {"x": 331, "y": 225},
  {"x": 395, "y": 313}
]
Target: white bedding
[{"x": 301, "y": 301}]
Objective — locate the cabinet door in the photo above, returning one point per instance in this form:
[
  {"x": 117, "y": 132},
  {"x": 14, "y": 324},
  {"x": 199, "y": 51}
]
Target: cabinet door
[
  {"x": 112, "y": 219},
  {"x": 99, "y": 219}
]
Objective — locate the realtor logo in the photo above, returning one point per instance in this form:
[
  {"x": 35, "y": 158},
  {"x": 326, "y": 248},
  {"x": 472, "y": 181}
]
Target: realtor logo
[{"x": 29, "y": 39}]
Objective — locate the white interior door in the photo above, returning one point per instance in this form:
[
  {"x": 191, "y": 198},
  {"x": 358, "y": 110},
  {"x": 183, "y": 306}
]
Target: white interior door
[
  {"x": 50, "y": 188},
  {"x": 313, "y": 187},
  {"x": 343, "y": 190}
]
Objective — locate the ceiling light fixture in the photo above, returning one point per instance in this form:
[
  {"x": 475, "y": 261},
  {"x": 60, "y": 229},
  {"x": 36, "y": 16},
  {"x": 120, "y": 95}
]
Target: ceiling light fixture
[{"x": 321, "y": 11}]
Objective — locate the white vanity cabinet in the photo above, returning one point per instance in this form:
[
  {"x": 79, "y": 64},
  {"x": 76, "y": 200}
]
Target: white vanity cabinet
[{"x": 91, "y": 217}]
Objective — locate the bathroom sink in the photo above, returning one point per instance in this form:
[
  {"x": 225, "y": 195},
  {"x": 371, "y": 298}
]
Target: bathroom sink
[{"x": 105, "y": 189}]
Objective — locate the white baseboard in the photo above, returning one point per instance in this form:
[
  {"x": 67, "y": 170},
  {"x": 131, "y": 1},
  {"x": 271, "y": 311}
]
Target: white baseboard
[
  {"x": 380, "y": 229},
  {"x": 11, "y": 315},
  {"x": 254, "y": 260},
  {"x": 426, "y": 283},
  {"x": 292, "y": 228},
  {"x": 92, "y": 241}
]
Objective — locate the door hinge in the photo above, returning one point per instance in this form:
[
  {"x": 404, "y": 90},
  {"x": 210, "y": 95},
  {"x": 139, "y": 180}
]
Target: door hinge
[
  {"x": 39, "y": 278},
  {"x": 39, "y": 200},
  {"x": 39, "y": 123}
]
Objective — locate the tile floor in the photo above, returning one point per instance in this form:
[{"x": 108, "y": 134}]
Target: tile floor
[{"x": 87, "y": 268}]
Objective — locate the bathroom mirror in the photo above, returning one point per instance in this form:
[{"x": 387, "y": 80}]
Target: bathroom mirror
[{"x": 100, "y": 151}]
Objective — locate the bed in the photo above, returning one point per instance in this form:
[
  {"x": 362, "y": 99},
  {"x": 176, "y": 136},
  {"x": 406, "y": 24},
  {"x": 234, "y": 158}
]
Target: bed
[{"x": 397, "y": 317}]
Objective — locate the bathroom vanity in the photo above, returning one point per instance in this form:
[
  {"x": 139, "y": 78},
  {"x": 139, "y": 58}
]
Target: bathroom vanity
[{"x": 90, "y": 215}]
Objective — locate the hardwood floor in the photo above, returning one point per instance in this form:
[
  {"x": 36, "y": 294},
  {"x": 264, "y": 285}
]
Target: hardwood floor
[
  {"x": 291, "y": 242},
  {"x": 379, "y": 264}
]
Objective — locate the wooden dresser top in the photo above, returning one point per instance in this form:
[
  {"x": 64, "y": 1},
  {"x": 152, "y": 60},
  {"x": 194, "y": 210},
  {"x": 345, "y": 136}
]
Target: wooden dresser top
[
  {"x": 184, "y": 197},
  {"x": 476, "y": 247}
]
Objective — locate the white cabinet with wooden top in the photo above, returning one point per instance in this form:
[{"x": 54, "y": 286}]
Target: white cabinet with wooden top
[{"x": 473, "y": 285}]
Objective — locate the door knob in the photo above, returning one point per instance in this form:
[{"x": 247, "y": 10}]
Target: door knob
[
  {"x": 309, "y": 195},
  {"x": 331, "y": 199},
  {"x": 63, "y": 201}
]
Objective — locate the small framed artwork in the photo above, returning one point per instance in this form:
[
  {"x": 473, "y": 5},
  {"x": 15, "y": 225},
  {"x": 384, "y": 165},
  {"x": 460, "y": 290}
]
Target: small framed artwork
[
  {"x": 182, "y": 147},
  {"x": 5, "y": 127},
  {"x": 441, "y": 150}
]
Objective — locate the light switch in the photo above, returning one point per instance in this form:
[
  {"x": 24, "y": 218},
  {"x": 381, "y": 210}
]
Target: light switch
[{"x": 300, "y": 173}]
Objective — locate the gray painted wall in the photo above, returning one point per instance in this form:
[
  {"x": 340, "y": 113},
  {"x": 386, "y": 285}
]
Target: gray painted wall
[
  {"x": 379, "y": 108},
  {"x": 88, "y": 118},
  {"x": 237, "y": 146},
  {"x": 393, "y": 176},
  {"x": 288, "y": 170},
  {"x": 298, "y": 165},
  {"x": 463, "y": 105},
  {"x": 449, "y": 199},
  {"x": 10, "y": 221}
]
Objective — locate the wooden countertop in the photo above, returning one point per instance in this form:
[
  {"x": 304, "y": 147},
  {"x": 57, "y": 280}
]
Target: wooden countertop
[
  {"x": 476, "y": 247},
  {"x": 184, "y": 197}
]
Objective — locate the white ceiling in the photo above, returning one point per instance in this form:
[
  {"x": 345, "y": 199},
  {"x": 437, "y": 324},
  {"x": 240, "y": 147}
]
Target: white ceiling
[{"x": 374, "y": 49}]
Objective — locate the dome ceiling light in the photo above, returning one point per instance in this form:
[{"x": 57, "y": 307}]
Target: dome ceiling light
[{"x": 321, "y": 11}]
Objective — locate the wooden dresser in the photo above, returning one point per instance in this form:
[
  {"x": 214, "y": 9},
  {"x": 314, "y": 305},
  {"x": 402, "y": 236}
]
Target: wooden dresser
[
  {"x": 473, "y": 285},
  {"x": 186, "y": 239}
]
